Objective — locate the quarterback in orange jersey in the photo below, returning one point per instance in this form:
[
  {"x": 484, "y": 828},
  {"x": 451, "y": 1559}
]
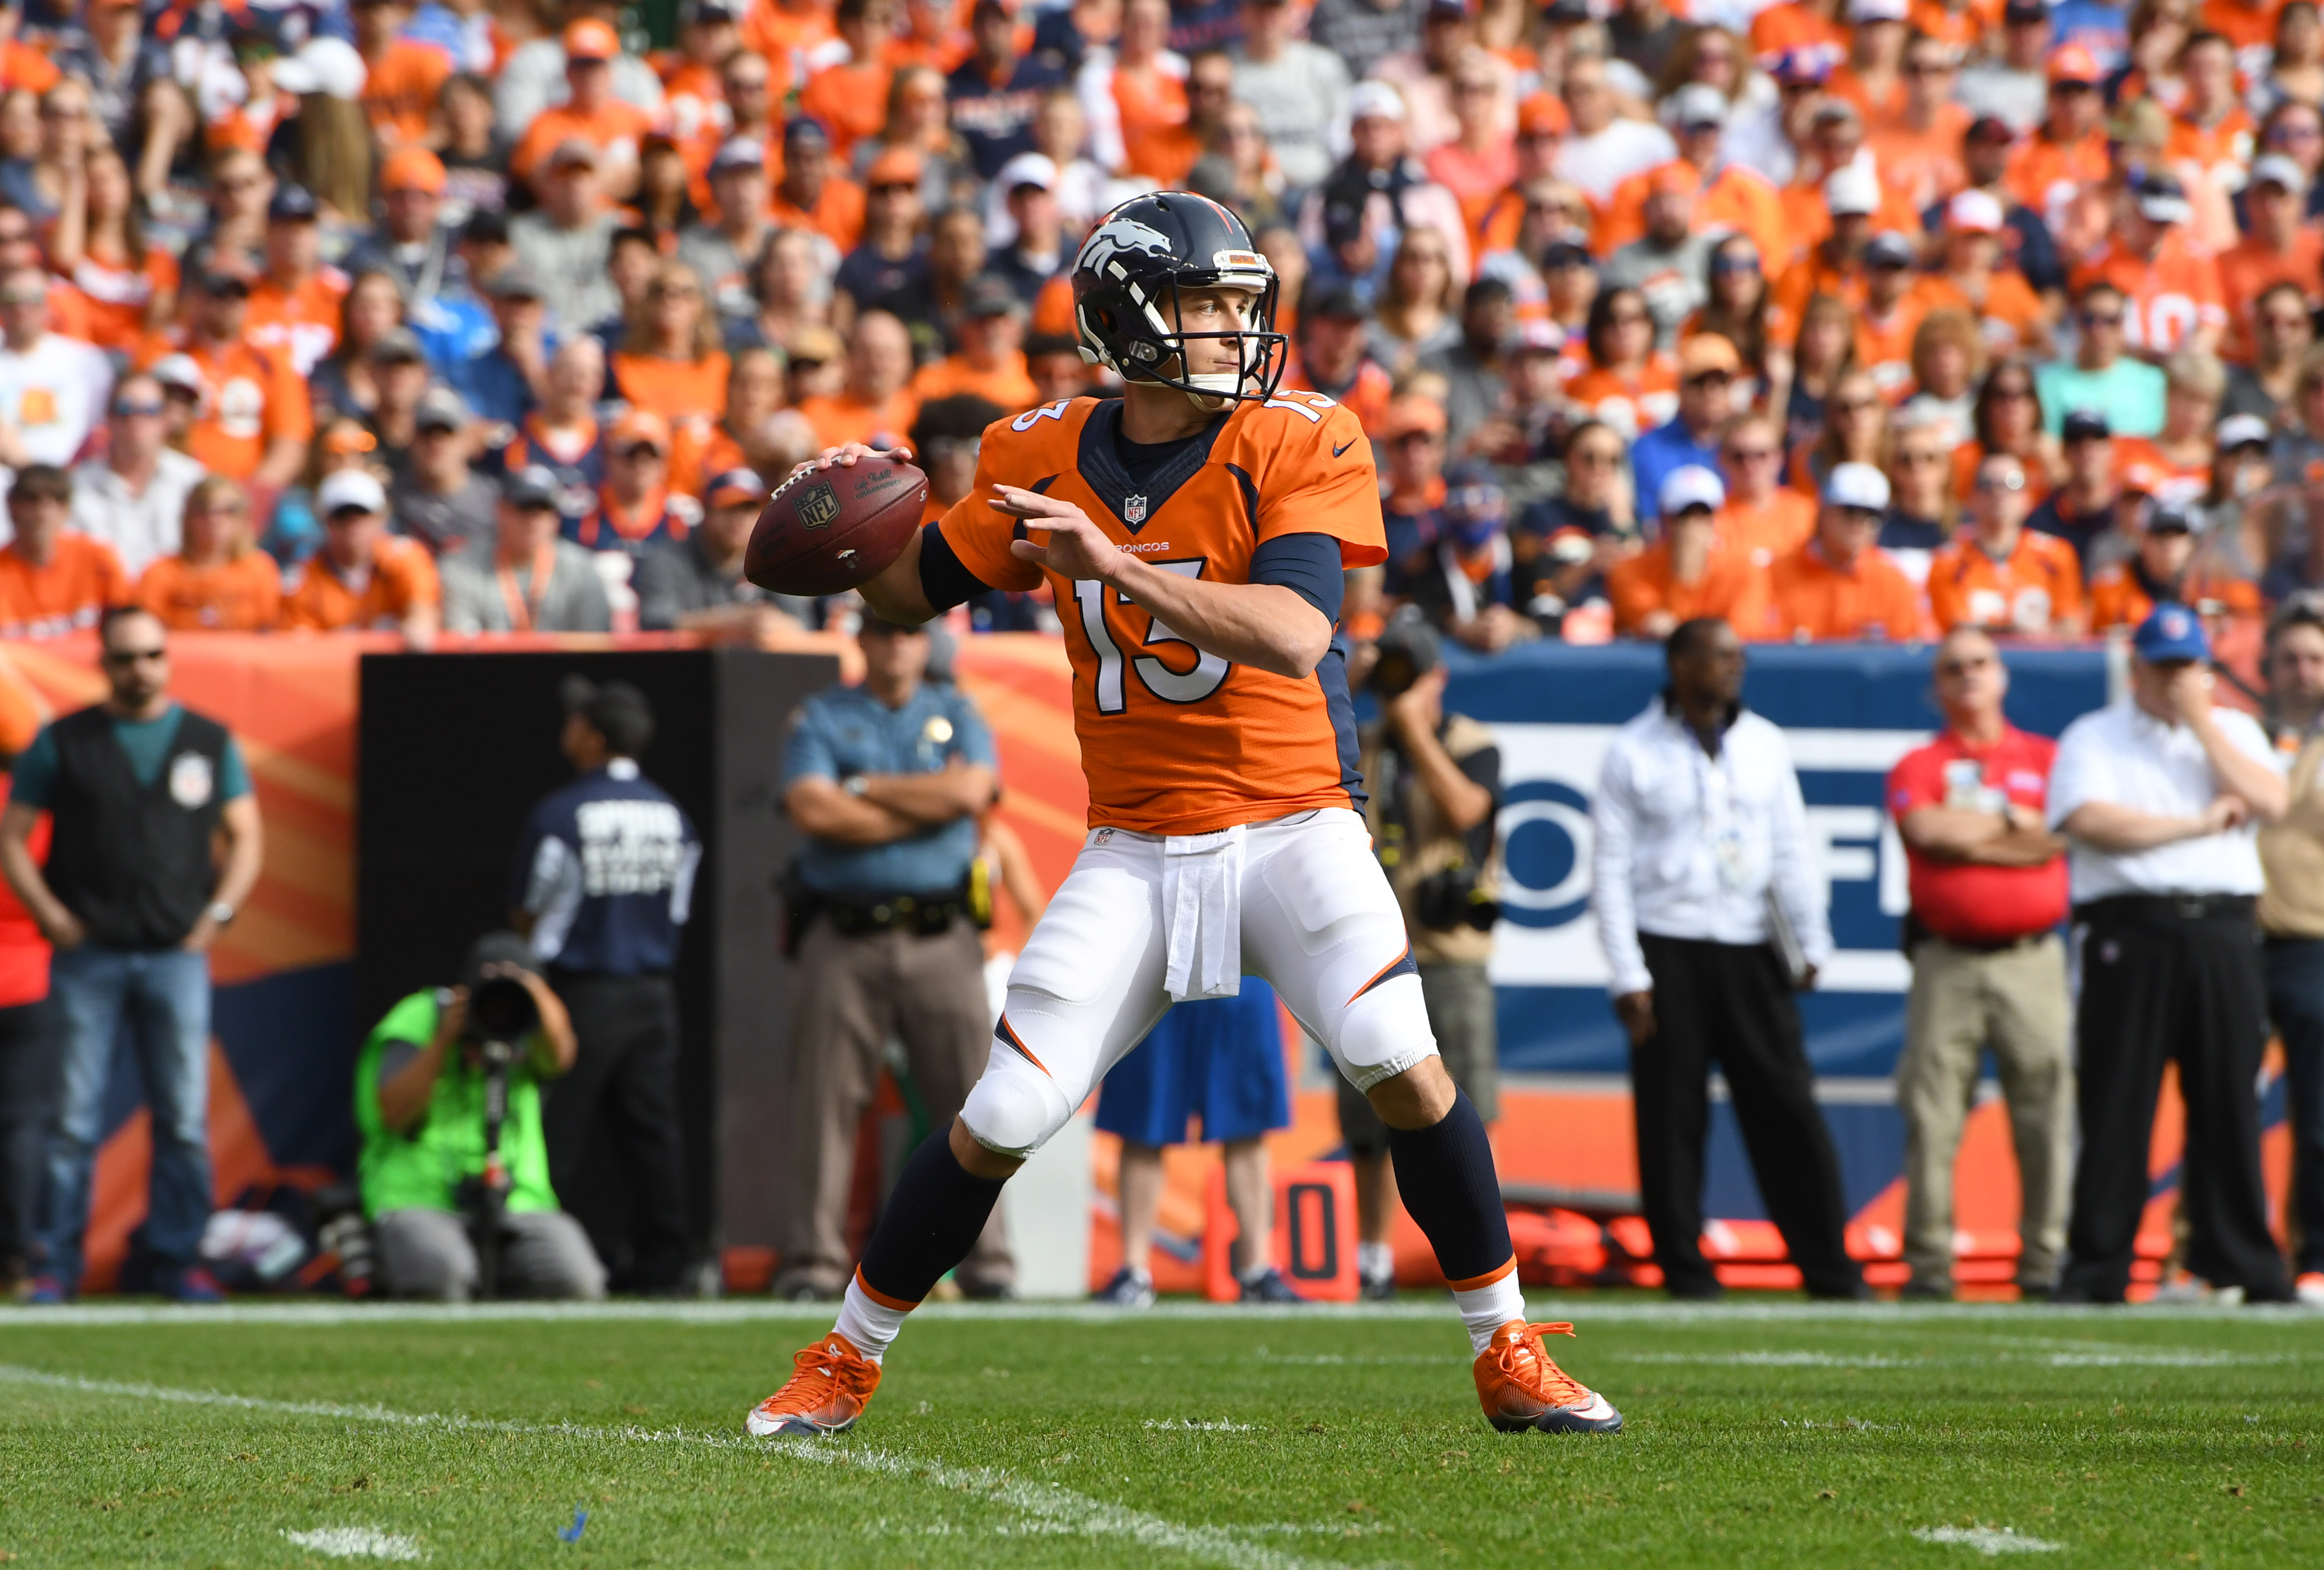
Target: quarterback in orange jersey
[{"x": 1194, "y": 532}]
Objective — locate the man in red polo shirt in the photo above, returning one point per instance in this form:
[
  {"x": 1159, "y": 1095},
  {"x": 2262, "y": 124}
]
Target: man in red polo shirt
[{"x": 1989, "y": 892}]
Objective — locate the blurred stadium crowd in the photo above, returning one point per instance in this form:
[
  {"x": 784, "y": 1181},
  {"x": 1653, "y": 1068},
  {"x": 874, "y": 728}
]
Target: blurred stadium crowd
[{"x": 492, "y": 315}]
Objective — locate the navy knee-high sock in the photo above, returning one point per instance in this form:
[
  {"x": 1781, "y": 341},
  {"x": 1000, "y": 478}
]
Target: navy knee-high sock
[
  {"x": 1444, "y": 1174},
  {"x": 931, "y": 1221}
]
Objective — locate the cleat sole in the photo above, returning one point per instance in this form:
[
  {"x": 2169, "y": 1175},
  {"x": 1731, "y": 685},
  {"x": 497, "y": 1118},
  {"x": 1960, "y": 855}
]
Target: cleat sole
[
  {"x": 1564, "y": 1420},
  {"x": 796, "y": 1427}
]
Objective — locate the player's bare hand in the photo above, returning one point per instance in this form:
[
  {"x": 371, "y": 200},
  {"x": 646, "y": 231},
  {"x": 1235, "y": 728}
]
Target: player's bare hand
[
  {"x": 1635, "y": 1010},
  {"x": 853, "y": 453},
  {"x": 1076, "y": 548}
]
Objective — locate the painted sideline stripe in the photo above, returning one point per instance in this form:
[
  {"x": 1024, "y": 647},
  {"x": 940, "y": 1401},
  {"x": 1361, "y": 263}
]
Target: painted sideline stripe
[
  {"x": 1433, "y": 1307},
  {"x": 1059, "y": 1510}
]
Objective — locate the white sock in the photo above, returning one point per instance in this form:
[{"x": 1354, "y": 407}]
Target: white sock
[
  {"x": 869, "y": 1324},
  {"x": 1486, "y": 1308},
  {"x": 1375, "y": 1262}
]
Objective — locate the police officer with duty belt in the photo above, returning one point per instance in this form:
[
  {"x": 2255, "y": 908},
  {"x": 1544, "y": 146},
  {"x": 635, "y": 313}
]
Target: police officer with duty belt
[{"x": 883, "y": 909}]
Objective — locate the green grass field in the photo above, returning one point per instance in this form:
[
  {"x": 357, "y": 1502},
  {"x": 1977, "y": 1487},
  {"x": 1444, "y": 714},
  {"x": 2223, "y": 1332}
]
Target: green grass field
[{"x": 1770, "y": 1433}]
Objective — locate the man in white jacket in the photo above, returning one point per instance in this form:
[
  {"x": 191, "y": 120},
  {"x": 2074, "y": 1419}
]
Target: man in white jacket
[{"x": 1713, "y": 916}]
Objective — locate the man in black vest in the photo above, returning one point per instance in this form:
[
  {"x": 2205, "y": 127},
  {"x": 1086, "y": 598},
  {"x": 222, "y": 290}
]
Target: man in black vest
[{"x": 141, "y": 792}]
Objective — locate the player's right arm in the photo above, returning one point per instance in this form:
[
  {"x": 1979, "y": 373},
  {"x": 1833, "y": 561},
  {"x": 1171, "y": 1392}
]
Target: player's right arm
[{"x": 962, "y": 554}]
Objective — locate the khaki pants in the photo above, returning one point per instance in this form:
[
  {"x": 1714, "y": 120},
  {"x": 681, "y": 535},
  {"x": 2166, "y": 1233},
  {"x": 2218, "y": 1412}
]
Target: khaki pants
[
  {"x": 1963, "y": 1000},
  {"x": 853, "y": 994}
]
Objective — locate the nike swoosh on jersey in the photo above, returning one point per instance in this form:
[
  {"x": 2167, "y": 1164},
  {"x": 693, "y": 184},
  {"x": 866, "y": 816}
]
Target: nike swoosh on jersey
[{"x": 1343, "y": 446}]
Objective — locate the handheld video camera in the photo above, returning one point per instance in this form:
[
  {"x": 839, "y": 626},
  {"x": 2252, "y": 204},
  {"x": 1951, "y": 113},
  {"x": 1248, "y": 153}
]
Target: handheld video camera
[{"x": 1406, "y": 650}]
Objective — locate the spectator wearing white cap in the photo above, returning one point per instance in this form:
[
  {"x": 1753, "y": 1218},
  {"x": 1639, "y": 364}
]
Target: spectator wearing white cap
[
  {"x": 364, "y": 579},
  {"x": 1378, "y": 191},
  {"x": 2010, "y": 316},
  {"x": 1873, "y": 79},
  {"x": 2160, "y": 796},
  {"x": 2279, "y": 247},
  {"x": 1835, "y": 264},
  {"x": 1702, "y": 869},
  {"x": 1840, "y": 585},
  {"x": 722, "y": 253},
  {"x": 2170, "y": 287},
  {"x": 1991, "y": 158},
  {"x": 1299, "y": 89},
  {"x": 1604, "y": 150},
  {"x": 1027, "y": 189},
  {"x": 2101, "y": 378},
  {"x": 1690, "y": 570}
]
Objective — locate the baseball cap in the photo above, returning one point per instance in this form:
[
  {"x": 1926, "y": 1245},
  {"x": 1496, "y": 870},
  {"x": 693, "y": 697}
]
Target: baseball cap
[
  {"x": 2163, "y": 200},
  {"x": 1707, "y": 351},
  {"x": 574, "y": 150},
  {"x": 700, "y": 11},
  {"x": 218, "y": 271},
  {"x": 514, "y": 282},
  {"x": 532, "y": 487},
  {"x": 1566, "y": 250},
  {"x": 1857, "y": 485},
  {"x": 1697, "y": 104},
  {"x": 178, "y": 373},
  {"x": 640, "y": 426},
  {"x": 801, "y": 131},
  {"x": 1878, "y": 10},
  {"x": 1809, "y": 65},
  {"x": 412, "y": 169},
  {"x": 1691, "y": 486},
  {"x": 1410, "y": 413},
  {"x": 2019, "y": 13},
  {"x": 1542, "y": 115},
  {"x": 899, "y": 166},
  {"x": 738, "y": 153},
  {"x": 2171, "y": 632},
  {"x": 618, "y": 710},
  {"x": 2170, "y": 517},
  {"x": 1973, "y": 212},
  {"x": 1537, "y": 338},
  {"x": 292, "y": 203},
  {"x": 1853, "y": 189},
  {"x": 816, "y": 345},
  {"x": 441, "y": 409},
  {"x": 399, "y": 343},
  {"x": 1990, "y": 128},
  {"x": 736, "y": 485},
  {"x": 592, "y": 40},
  {"x": 1673, "y": 177},
  {"x": 328, "y": 66},
  {"x": 987, "y": 297},
  {"x": 2242, "y": 430},
  {"x": 2074, "y": 63},
  {"x": 1026, "y": 168},
  {"x": 2085, "y": 424},
  {"x": 350, "y": 490},
  {"x": 1367, "y": 99},
  {"x": 2276, "y": 168},
  {"x": 1888, "y": 249},
  {"x": 1339, "y": 303},
  {"x": 1447, "y": 10}
]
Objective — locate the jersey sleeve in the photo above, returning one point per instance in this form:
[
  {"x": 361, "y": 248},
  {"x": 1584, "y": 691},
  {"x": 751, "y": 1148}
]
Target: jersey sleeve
[
  {"x": 1917, "y": 781},
  {"x": 979, "y": 534},
  {"x": 1320, "y": 478}
]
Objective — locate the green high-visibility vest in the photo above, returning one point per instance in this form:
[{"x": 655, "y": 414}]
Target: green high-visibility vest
[{"x": 422, "y": 1167}]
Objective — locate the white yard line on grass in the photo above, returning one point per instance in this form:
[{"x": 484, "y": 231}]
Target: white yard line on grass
[
  {"x": 1048, "y": 1509},
  {"x": 755, "y": 1310},
  {"x": 1987, "y": 1542},
  {"x": 356, "y": 1543}
]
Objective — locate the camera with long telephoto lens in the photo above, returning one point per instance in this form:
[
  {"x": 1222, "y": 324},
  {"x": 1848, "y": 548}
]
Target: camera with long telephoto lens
[
  {"x": 1450, "y": 897},
  {"x": 500, "y": 1015},
  {"x": 1406, "y": 650}
]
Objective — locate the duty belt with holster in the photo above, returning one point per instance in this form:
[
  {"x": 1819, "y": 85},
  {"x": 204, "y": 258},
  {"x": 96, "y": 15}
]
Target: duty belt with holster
[{"x": 924, "y": 914}]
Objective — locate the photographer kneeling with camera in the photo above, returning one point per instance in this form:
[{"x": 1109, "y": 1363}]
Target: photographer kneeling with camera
[
  {"x": 454, "y": 1169},
  {"x": 1435, "y": 783}
]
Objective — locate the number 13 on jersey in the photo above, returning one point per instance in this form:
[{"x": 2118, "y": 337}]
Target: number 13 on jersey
[{"x": 1207, "y": 675}]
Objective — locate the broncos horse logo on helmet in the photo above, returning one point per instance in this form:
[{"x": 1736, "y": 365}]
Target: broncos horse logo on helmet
[{"x": 1126, "y": 282}]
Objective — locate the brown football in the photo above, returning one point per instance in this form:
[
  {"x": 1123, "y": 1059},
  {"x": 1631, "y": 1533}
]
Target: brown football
[{"x": 827, "y": 530}]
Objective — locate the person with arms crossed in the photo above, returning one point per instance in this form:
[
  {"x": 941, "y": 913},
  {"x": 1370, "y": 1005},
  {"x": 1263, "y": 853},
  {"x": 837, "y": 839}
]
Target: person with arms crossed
[
  {"x": 2292, "y": 915},
  {"x": 1989, "y": 892},
  {"x": 141, "y": 793},
  {"x": 2161, "y": 794},
  {"x": 1702, "y": 865},
  {"x": 1198, "y": 864}
]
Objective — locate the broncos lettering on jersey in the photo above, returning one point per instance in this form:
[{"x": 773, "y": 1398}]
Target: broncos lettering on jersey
[{"x": 1175, "y": 742}]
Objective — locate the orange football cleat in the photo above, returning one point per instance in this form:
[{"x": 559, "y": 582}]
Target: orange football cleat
[
  {"x": 829, "y": 1385},
  {"x": 1522, "y": 1387}
]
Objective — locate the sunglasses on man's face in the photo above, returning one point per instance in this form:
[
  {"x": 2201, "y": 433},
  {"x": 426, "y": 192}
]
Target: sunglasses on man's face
[
  {"x": 131, "y": 656},
  {"x": 1749, "y": 455},
  {"x": 131, "y": 408},
  {"x": 1963, "y": 666},
  {"x": 2101, "y": 318}
]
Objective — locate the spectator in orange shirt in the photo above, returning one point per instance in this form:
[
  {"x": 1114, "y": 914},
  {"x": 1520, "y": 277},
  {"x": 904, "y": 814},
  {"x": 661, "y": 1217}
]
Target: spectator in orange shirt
[
  {"x": 402, "y": 78},
  {"x": 2282, "y": 247},
  {"x": 364, "y": 579},
  {"x": 669, "y": 360},
  {"x": 1691, "y": 571},
  {"x": 255, "y": 415},
  {"x": 2125, "y": 593},
  {"x": 2007, "y": 418},
  {"x": 636, "y": 511},
  {"x": 848, "y": 95},
  {"x": 257, "y": 37},
  {"x": 2211, "y": 135},
  {"x": 1890, "y": 314},
  {"x": 810, "y": 196},
  {"x": 991, "y": 362},
  {"x": 131, "y": 287},
  {"x": 1839, "y": 585},
  {"x": 2171, "y": 289},
  {"x": 217, "y": 581},
  {"x": 591, "y": 114},
  {"x": 874, "y": 407},
  {"x": 2009, "y": 315},
  {"x": 1849, "y": 197},
  {"x": 52, "y": 581},
  {"x": 2174, "y": 464},
  {"x": 1919, "y": 150},
  {"x": 2000, "y": 576},
  {"x": 1762, "y": 518},
  {"x": 295, "y": 303},
  {"x": 1630, "y": 385},
  {"x": 2068, "y": 151}
]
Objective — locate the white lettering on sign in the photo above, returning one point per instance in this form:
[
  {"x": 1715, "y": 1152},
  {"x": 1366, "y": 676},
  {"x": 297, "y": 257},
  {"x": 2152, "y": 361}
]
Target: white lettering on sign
[{"x": 629, "y": 847}]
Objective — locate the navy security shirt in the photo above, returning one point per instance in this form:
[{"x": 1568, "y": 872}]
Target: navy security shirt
[
  {"x": 846, "y": 731},
  {"x": 606, "y": 871}
]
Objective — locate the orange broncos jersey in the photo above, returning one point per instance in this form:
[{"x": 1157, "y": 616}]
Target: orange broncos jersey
[{"x": 1174, "y": 742}]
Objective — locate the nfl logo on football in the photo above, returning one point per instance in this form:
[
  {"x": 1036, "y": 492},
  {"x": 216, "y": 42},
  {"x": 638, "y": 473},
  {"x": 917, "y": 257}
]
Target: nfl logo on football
[
  {"x": 817, "y": 508},
  {"x": 1133, "y": 509}
]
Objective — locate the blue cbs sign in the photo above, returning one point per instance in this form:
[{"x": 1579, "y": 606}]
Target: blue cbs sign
[{"x": 1848, "y": 713}]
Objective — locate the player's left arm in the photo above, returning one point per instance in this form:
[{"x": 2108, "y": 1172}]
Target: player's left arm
[{"x": 1267, "y": 626}]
